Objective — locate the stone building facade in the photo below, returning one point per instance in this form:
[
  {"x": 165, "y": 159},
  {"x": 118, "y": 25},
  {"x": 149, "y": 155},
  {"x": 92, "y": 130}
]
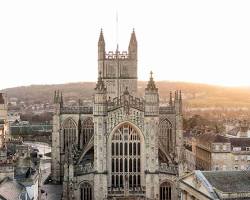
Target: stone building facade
[
  {"x": 217, "y": 152},
  {"x": 123, "y": 146}
]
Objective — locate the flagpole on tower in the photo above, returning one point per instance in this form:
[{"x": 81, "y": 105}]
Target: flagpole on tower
[{"x": 117, "y": 28}]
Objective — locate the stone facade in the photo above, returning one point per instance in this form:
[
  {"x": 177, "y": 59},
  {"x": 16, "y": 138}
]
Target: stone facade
[
  {"x": 217, "y": 152},
  {"x": 122, "y": 147}
]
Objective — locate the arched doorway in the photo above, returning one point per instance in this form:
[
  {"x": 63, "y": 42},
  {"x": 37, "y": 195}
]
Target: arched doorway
[
  {"x": 165, "y": 191},
  {"x": 86, "y": 192},
  {"x": 126, "y": 158}
]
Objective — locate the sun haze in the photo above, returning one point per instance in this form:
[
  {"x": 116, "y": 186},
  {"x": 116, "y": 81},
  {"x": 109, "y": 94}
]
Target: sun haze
[{"x": 45, "y": 42}]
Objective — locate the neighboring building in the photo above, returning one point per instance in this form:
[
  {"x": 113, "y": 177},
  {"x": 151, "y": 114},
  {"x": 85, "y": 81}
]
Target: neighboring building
[
  {"x": 122, "y": 147},
  {"x": 19, "y": 172},
  {"x": 240, "y": 153},
  {"x": 206, "y": 185},
  {"x": 217, "y": 152},
  {"x": 240, "y": 130},
  {"x": 4, "y": 127},
  {"x": 213, "y": 152}
]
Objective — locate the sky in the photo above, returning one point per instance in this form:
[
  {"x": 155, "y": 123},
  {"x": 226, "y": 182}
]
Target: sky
[{"x": 51, "y": 42}]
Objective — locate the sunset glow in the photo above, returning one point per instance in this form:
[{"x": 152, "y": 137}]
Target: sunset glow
[{"x": 45, "y": 42}]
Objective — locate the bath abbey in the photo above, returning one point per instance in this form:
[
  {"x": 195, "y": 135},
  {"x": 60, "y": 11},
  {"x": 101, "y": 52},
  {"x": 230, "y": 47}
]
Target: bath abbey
[{"x": 123, "y": 145}]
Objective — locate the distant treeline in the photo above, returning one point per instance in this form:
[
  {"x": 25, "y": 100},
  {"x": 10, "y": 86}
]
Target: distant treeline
[{"x": 194, "y": 94}]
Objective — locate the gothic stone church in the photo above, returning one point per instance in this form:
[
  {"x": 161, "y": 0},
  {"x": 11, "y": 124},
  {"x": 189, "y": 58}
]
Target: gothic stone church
[{"x": 123, "y": 146}]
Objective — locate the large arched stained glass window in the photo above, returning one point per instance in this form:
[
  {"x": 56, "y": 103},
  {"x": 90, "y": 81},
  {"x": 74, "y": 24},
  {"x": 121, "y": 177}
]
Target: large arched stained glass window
[
  {"x": 69, "y": 133},
  {"x": 86, "y": 132},
  {"x": 126, "y": 158},
  {"x": 165, "y": 135}
]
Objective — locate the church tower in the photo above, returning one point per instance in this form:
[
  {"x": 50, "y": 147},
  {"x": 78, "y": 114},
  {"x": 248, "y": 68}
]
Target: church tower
[
  {"x": 119, "y": 68},
  {"x": 151, "y": 122},
  {"x": 56, "y": 165},
  {"x": 100, "y": 144}
]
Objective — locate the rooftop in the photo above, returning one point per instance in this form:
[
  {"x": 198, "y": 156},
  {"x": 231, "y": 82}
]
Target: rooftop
[
  {"x": 240, "y": 142},
  {"x": 229, "y": 181},
  {"x": 213, "y": 138}
]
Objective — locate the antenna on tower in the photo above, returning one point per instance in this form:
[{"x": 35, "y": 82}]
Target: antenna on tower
[{"x": 117, "y": 28}]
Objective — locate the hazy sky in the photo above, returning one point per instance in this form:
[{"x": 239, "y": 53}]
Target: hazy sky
[{"x": 48, "y": 41}]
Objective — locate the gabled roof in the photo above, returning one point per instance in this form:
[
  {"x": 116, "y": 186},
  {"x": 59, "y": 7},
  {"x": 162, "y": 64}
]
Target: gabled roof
[{"x": 198, "y": 183}]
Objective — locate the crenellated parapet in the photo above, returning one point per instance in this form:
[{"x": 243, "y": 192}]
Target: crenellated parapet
[
  {"x": 126, "y": 100},
  {"x": 169, "y": 169},
  {"x": 76, "y": 110},
  {"x": 83, "y": 169},
  {"x": 113, "y": 55},
  {"x": 164, "y": 110}
]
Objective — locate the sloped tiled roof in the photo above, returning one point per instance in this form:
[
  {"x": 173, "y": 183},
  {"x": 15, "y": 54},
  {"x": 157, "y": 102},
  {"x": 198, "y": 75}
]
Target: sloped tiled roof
[
  {"x": 229, "y": 181},
  {"x": 240, "y": 142},
  {"x": 213, "y": 138}
]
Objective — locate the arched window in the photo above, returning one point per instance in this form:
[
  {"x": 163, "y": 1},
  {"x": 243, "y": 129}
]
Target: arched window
[
  {"x": 69, "y": 133},
  {"x": 165, "y": 191},
  {"x": 86, "y": 192},
  {"x": 165, "y": 135},
  {"x": 125, "y": 148},
  {"x": 86, "y": 133}
]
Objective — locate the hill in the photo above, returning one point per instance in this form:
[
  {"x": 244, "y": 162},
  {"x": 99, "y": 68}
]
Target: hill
[{"x": 194, "y": 94}]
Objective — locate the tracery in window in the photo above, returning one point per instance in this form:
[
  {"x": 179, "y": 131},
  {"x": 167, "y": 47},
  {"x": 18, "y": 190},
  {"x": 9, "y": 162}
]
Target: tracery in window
[
  {"x": 125, "y": 158},
  {"x": 69, "y": 133},
  {"x": 86, "y": 132},
  {"x": 165, "y": 135}
]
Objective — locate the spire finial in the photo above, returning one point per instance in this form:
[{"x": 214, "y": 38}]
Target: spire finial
[
  {"x": 101, "y": 38},
  {"x": 170, "y": 99},
  {"x": 61, "y": 101},
  {"x": 126, "y": 92},
  {"x": 151, "y": 83},
  {"x": 100, "y": 84}
]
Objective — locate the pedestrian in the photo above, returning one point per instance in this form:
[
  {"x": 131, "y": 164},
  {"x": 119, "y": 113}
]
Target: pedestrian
[{"x": 46, "y": 195}]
